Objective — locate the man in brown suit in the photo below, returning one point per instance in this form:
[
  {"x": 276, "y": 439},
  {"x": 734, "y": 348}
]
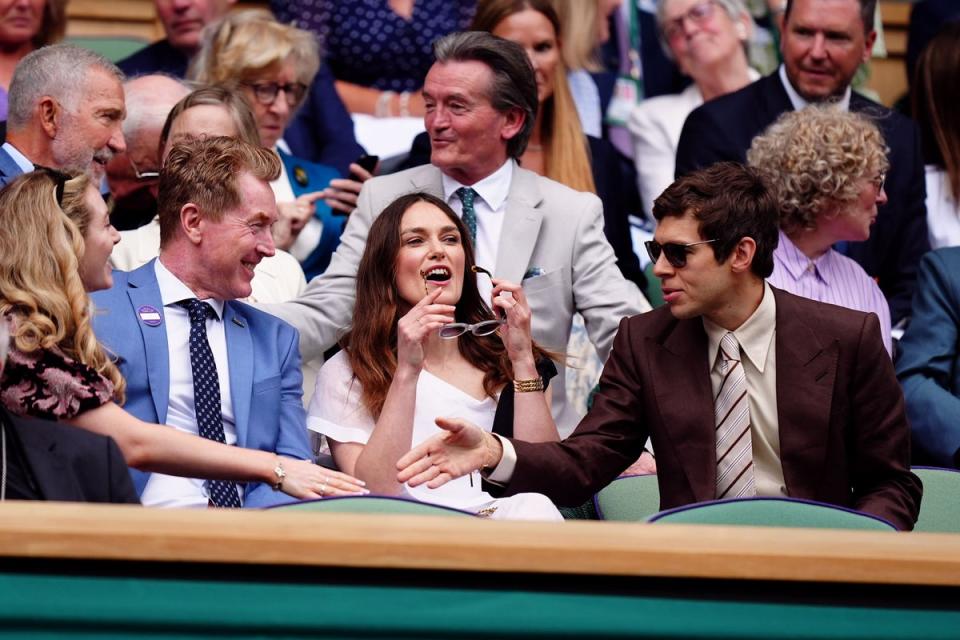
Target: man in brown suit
[{"x": 802, "y": 403}]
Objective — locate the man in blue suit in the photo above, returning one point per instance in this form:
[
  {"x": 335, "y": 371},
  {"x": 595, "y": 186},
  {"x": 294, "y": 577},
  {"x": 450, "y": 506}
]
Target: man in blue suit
[
  {"x": 823, "y": 44},
  {"x": 193, "y": 357}
]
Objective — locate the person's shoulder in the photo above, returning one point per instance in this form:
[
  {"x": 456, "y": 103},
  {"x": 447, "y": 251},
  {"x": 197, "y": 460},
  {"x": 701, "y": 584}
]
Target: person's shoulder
[
  {"x": 299, "y": 169},
  {"x": 259, "y": 322},
  {"x": 535, "y": 187},
  {"x": 158, "y": 57},
  {"x": 75, "y": 441},
  {"x": 886, "y": 118},
  {"x": 736, "y": 103},
  {"x": 821, "y": 317}
]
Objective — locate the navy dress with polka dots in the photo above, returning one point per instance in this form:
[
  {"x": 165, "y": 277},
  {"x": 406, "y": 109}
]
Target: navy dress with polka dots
[{"x": 364, "y": 42}]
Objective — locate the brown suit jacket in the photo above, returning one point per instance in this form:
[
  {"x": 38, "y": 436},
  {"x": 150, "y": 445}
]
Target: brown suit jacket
[{"x": 844, "y": 436}]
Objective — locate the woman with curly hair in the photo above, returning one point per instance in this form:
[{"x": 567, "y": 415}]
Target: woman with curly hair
[
  {"x": 424, "y": 349},
  {"x": 55, "y": 238},
  {"x": 827, "y": 168}
]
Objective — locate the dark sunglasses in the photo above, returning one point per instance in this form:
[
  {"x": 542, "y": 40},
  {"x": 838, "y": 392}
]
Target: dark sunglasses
[
  {"x": 59, "y": 180},
  {"x": 675, "y": 252},
  {"x": 266, "y": 92}
]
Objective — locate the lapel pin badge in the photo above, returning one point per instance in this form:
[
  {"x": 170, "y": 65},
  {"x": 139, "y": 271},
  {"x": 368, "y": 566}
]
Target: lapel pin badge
[
  {"x": 300, "y": 175},
  {"x": 237, "y": 321},
  {"x": 149, "y": 316}
]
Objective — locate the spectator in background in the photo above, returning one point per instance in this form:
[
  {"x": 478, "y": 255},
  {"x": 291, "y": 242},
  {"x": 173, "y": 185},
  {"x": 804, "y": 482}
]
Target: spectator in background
[
  {"x": 66, "y": 108},
  {"x": 271, "y": 65},
  {"x": 826, "y": 169},
  {"x": 26, "y": 25},
  {"x": 936, "y": 96},
  {"x": 211, "y": 111},
  {"x": 132, "y": 175},
  {"x": 322, "y": 131},
  {"x": 927, "y": 17},
  {"x": 707, "y": 40},
  {"x": 55, "y": 237},
  {"x": 379, "y": 51}
]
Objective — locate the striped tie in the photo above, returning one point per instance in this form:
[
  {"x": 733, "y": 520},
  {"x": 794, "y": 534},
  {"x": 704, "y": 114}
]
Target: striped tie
[{"x": 734, "y": 449}]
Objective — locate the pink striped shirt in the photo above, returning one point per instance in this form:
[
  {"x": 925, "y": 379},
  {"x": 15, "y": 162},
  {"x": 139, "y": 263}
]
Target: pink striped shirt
[{"x": 832, "y": 278}]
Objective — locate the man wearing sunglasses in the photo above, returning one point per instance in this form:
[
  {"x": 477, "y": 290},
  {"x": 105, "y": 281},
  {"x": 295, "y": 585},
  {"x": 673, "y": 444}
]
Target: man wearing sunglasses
[
  {"x": 745, "y": 390},
  {"x": 823, "y": 44}
]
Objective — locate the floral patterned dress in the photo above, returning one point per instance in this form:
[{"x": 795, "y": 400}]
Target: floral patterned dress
[{"x": 49, "y": 384}]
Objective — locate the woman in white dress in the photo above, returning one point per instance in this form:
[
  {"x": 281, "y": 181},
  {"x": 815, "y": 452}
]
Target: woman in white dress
[{"x": 425, "y": 348}]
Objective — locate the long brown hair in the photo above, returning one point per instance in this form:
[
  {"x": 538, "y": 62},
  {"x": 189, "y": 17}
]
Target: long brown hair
[
  {"x": 936, "y": 93},
  {"x": 565, "y": 151},
  {"x": 371, "y": 343}
]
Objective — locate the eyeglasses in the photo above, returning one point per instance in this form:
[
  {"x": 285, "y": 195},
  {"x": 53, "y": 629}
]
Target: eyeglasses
[
  {"x": 675, "y": 252},
  {"x": 482, "y": 328},
  {"x": 266, "y": 92},
  {"x": 143, "y": 175},
  {"x": 879, "y": 180},
  {"x": 697, "y": 14}
]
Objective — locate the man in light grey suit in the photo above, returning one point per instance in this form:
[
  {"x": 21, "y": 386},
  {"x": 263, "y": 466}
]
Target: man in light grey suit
[{"x": 481, "y": 99}]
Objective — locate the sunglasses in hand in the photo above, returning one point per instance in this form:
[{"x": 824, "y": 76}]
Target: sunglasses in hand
[{"x": 483, "y": 328}]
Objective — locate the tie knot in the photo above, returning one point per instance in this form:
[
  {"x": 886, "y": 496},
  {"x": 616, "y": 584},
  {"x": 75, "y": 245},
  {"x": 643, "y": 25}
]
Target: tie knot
[
  {"x": 466, "y": 195},
  {"x": 199, "y": 311},
  {"x": 730, "y": 348}
]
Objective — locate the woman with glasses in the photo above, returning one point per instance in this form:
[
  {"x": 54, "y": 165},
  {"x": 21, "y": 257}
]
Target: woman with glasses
[
  {"x": 55, "y": 237},
  {"x": 272, "y": 65},
  {"x": 827, "y": 168},
  {"x": 707, "y": 39},
  {"x": 425, "y": 348}
]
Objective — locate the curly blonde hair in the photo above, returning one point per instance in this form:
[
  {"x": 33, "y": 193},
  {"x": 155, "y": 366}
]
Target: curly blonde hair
[
  {"x": 245, "y": 44},
  {"x": 41, "y": 247},
  {"x": 814, "y": 160}
]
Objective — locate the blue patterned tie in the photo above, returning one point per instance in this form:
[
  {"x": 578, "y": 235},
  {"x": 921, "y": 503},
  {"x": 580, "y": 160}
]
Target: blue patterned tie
[
  {"x": 206, "y": 395},
  {"x": 467, "y": 196}
]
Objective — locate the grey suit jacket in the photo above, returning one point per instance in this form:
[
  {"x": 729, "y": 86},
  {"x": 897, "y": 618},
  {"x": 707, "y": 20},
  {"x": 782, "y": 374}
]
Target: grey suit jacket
[{"x": 548, "y": 227}]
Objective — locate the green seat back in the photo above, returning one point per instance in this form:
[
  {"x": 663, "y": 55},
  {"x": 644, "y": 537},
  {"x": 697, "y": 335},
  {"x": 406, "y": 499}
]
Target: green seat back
[
  {"x": 373, "y": 504},
  {"x": 113, "y": 49},
  {"x": 631, "y": 499},
  {"x": 940, "y": 507},
  {"x": 773, "y": 512},
  {"x": 654, "y": 292}
]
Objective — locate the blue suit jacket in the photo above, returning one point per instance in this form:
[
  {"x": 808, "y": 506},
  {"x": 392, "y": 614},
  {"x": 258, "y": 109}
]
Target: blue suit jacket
[
  {"x": 723, "y": 128},
  {"x": 306, "y": 177},
  {"x": 929, "y": 363},
  {"x": 265, "y": 379},
  {"x": 9, "y": 169}
]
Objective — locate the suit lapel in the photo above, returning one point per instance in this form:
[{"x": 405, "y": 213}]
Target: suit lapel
[
  {"x": 241, "y": 363},
  {"x": 144, "y": 292},
  {"x": 521, "y": 226},
  {"x": 681, "y": 376},
  {"x": 806, "y": 373}
]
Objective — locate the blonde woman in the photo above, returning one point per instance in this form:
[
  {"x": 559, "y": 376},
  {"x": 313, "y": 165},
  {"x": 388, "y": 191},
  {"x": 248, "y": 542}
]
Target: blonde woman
[
  {"x": 827, "y": 169},
  {"x": 272, "y": 65},
  {"x": 55, "y": 237}
]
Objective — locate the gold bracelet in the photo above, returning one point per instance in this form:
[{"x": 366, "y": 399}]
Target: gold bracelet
[
  {"x": 280, "y": 475},
  {"x": 523, "y": 386}
]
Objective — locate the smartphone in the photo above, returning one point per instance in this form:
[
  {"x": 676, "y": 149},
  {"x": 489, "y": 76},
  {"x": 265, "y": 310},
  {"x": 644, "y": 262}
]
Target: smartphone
[{"x": 368, "y": 162}]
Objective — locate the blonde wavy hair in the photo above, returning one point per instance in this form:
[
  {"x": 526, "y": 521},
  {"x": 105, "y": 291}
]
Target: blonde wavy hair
[
  {"x": 814, "y": 160},
  {"x": 41, "y": 247},
  {"x": 245, "y": 44}
]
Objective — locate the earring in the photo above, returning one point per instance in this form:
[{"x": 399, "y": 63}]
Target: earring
[{"x": 741, "y": 31}]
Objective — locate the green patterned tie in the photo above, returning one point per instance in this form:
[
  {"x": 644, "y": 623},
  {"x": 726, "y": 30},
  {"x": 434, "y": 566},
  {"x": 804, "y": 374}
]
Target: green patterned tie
[{"x": 467, "y": 196}]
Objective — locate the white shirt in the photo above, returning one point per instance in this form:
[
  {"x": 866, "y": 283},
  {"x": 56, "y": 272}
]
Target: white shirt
[
  {"x": 25, "y": 165},
  {"x": 174, "y": 491},
  {"x": 799, "y": 102},
  {"x": 943, "y": 213},
  {"x": 490, "y": 207}
]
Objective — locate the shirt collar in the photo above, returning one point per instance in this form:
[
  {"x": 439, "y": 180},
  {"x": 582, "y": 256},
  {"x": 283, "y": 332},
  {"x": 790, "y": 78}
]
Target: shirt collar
[
  {"x": 173, "y": 290},
  {"x": 25, "y": 165},
  {"x": 796, "y": 262},
  {"x": 799, "y": 102},
  {"x": 493, "y": 189},
  {"x": 755, "y": 335}
]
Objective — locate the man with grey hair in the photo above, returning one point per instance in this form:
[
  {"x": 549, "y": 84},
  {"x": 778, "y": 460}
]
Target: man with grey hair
[
  {"x": 43, "y": 460},
  {"x": 133, "y": 175},
  {"x": 66, "y": 108},
  {"x": 481, "y": 98}
]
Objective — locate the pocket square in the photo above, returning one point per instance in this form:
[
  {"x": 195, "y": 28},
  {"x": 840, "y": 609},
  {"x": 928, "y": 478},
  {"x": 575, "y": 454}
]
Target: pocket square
[{"x": 533, "y": 272}]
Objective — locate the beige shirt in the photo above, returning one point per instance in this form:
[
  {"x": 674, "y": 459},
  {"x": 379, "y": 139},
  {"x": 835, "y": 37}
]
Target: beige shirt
[{"x": 757, "y": 341}]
